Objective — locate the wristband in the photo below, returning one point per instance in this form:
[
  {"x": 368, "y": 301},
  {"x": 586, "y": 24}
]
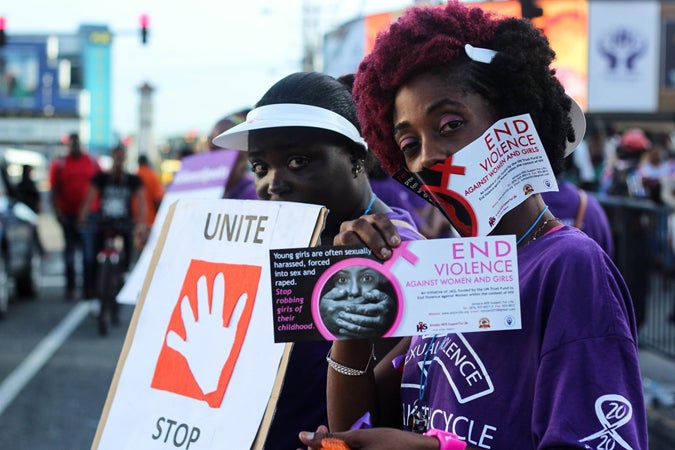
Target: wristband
[
  {"x": 350, "y": 371},
  {"x": 449, "y": 441}
]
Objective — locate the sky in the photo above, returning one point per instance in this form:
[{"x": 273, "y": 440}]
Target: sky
[{"x": 205, "y": 58}]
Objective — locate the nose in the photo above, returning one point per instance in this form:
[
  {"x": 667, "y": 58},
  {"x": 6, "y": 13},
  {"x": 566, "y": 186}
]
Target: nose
[
  {"x": 433, "y": 152},
  {"x": 277, "y": 184},
  {"x": 354, "y": 288}
]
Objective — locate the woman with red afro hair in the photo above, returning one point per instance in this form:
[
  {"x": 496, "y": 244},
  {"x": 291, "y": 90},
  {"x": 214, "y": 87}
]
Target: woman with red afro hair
[{"x": 568, "y": 376}]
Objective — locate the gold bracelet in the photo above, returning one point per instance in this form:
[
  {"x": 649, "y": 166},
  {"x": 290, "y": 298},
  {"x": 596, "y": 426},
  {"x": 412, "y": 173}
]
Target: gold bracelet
[{"x": 349, "y": 371}]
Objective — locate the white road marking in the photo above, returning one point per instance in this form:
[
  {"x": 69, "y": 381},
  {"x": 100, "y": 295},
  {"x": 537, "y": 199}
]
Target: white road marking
[{"x": 25, "y": 371}]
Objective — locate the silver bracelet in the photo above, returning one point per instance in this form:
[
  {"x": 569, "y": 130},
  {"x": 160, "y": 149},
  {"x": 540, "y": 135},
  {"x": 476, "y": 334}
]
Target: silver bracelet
[{"x": 350, "y": 372}]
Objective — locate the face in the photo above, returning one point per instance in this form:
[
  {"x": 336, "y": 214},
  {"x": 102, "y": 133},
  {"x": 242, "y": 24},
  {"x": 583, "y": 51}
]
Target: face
[
  {"x": 357, "y": 280},
  {"x": 118, "y": 157},
  {"x": 435, "y": 118},
  {"x": 301, "y": 165},
  {"x": 74, "y": 146}
]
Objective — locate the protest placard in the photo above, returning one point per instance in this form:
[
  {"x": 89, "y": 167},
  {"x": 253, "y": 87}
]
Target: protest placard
[
  {"x": 428, "y": 286},
  {"x": 202, "y": 175},
  {"x": 476, "y": 186},
  {"x": 199, "y": 368}
]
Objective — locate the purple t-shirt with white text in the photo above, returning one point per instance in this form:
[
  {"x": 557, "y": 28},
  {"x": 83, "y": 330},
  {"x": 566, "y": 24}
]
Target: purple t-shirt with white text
[{"x": 569, "y": 378}]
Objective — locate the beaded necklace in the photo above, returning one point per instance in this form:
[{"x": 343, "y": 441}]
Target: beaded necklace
[{"x": 535, "y": 235}]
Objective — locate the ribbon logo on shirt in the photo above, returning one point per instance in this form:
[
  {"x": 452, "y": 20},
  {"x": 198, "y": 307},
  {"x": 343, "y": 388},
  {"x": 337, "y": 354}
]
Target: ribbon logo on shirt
[{"x": 613, "y": 411}]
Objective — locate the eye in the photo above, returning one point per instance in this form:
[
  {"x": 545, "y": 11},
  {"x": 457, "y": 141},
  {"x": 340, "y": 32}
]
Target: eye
[
  {"x": 297, "y": 162},
  {"x": 449, "y": 123},
  {"x": 408, "y": 145},
  {"x": 341, "y": 279},
  {"x": 258, "y": 168},
  {"x": 367, "y": 278}
]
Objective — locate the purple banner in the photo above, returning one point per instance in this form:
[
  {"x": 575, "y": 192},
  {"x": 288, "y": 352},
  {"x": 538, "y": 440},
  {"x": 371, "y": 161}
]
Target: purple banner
[{"x": 204, "y": 170}]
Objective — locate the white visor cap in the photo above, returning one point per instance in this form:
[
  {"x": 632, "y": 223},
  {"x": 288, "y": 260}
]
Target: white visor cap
[
  {"x": 287, "y": 115},
  {"x": 579, "y": 124}
]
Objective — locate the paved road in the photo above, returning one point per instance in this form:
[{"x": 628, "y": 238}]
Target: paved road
[{"x": 54, "y": 369}]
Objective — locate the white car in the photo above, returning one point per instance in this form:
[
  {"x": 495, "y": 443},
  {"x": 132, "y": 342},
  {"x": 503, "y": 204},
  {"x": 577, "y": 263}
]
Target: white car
[{"x": 20, "y": 250}]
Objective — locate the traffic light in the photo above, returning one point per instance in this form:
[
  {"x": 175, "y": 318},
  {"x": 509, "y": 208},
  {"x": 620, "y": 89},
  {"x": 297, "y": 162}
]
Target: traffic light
[
  {"x": 3, "y": 36},
  {"x": 530, "y": 9},
  {"x": 144, "y": 21}
]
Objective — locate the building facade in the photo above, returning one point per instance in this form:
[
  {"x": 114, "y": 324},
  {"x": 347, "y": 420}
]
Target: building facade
[{"x": 55, "y": 84}]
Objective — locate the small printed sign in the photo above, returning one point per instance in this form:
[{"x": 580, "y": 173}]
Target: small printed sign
[
  {"x": 476, "y": 186},
  {"x": 427, "y": 286}
]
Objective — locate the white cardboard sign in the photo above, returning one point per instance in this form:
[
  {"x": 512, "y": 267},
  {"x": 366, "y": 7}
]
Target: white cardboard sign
[{"x": 199, "y": 364}]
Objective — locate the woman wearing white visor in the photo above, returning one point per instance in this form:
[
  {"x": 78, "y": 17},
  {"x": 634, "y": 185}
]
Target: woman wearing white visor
[{"x": 304, "y": 145}]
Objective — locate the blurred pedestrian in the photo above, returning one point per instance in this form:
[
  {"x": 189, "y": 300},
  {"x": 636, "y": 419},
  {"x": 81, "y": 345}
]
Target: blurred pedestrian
[
  {"x": 154, "y": 189},
  {"x": 70, "y": 177},
  {"x": 27, "y": 190},
  {"x": 28, "y": 194},
  {"x": 576, "y": 207},
  {"x": 116, "y": 189},
  {"x": 656, "y": 173},
  {"x": 653, "y": 170},
  {"x": 240, "y": 184},
  {"x": 623, "y": 179}
]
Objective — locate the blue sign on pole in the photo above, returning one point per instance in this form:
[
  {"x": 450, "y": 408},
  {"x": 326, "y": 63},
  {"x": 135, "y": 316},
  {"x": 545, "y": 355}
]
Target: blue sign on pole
[{"x": 97, "y": 81}]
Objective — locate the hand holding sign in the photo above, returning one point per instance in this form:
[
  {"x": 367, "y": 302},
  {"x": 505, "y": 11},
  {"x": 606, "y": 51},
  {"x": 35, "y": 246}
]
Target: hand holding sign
[{"x": 205, "y": 360}]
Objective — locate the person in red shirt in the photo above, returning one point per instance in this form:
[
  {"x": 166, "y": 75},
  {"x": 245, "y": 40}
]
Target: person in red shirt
[{"x": 70, "y": 177}]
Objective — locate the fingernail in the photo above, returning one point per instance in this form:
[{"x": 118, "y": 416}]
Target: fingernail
[
  {"x": 385, "y": 252},
  {"x": 309, "y": 435},
  {"x": 395, "y": 240}
]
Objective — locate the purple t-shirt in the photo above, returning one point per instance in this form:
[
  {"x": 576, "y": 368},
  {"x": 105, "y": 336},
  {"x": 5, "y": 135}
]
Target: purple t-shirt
[
  {"x": 569, "y": 378},
  {"x": 564, "y": 204},
  {"x": 302, "y": 400}
]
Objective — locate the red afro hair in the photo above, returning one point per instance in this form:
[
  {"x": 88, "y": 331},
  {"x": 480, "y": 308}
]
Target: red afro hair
[{"x": 422, "y": 38}]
